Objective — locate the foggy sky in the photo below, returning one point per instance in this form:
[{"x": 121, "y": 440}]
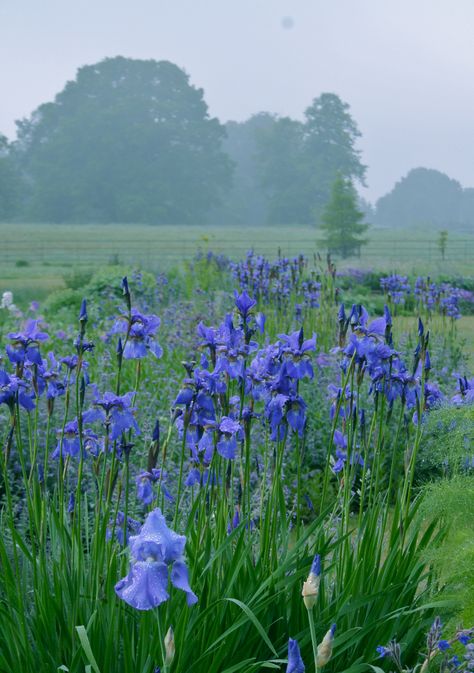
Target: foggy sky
[{"x": 406, "y": 67}]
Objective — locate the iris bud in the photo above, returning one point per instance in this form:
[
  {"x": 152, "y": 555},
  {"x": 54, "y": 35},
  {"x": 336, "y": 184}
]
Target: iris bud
[
  {"x": 170, "y": 648},
  {"x": 325, "y": 647},
  {"x": 310, "y": 590}
]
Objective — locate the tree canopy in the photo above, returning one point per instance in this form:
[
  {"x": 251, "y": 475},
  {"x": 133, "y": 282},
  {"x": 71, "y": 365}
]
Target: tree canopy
[
  {"x": 128, "y": 140},
  {"x": 424, "y": 197},
  {"x": 300, "y": 160}
]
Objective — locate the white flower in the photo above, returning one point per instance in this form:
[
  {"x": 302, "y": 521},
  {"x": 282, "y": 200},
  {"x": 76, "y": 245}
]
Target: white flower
[{"x": 7, "y": 300}]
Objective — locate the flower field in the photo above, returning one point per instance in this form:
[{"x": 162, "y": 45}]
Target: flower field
[{"x": 238, "y": 465}]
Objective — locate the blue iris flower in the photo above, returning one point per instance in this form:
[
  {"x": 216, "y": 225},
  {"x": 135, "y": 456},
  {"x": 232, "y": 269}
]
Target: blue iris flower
[
  {"x": 118, "y": 410},
  {"x": 244, "y": 303},
  {"x": 24, "y": 348},
  {"x": 140, "y": 335},
  {"x": 155, "y": 550},
  {"x": 10, "y": 388}
]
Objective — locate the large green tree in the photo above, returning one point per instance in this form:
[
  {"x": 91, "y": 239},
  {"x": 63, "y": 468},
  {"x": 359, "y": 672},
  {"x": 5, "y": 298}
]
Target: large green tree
[
  {"x": 341, "y": 221},
  {"x": 126, "y": 141},
  {"x": 299, "y": 161},
  {"x": 424, "y": 197}
]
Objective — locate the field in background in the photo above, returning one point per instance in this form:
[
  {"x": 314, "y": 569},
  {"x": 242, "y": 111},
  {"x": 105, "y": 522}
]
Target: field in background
[{"x": 34, "y": 258}]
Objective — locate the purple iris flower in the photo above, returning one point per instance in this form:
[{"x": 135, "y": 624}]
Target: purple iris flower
[
  {"x": 244, "y": 304},
  {"x": 296, "y": 414},
  {"x": 295, "y": 662},
  {"x": 340, "y": 440},
  {"x": 24, "y": 348},
  {"x": 70, "y": 361},
  {"x": 466, "y": 391},
  {"x": 55, "y": 385},
  {"x": 227, "y": 444},
  {"x": 274, "y": 412},
  {"x": 70, "y": 444},
  {"x": 10, "y": 387},
  {"x": 118, "y": 411},
  {"x": 340, "y": 462},
  {"x": 133, "y": 526},
  {"x": 295, "y": 351},
  {"x": 205, "y": 445},
  {"x": 154, "y": 551},
  {"x": 199, "y": 478},
  {"x": 140, "y": 339},
  {"x": 144, "y": 483}
]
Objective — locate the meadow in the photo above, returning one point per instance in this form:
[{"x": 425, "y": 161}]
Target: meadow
[
  {"x": 33, "y": 270},
  {"x": 231, "y": 462}
]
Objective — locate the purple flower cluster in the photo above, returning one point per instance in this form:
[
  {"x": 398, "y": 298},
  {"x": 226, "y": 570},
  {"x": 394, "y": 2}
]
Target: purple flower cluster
[
  {"x": 396, "y": 287},
  {"x": 276, "y": 281},
  {"x": 436, "y": 644},
  {"x": 441, "y": 297},
  {"x": 210, "y": 417},
  {"x": 366, "y": 347}
]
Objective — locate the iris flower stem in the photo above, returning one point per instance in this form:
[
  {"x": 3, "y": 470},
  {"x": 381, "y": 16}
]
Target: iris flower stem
[
  {"x": 327, "y": 470},
  {"x": 61, "y": 460},
  {"x": 165, "y": 668},
  {"x": 314, "y": 641},
  {"x": 298, "y": 486},
  {"x": 392, "y": 466},
  {"x": 379, "y": 444},
  {"x": 127, "y": 496},
  {"x": 180, "y": 477},
  {"x": 46, "y": 452}
]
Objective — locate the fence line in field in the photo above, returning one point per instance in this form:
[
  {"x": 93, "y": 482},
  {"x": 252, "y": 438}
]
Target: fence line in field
[{"x": 151, "y": 251}]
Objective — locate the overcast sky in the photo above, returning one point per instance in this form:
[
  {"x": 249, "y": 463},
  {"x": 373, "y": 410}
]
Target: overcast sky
[{"x": 406, "y": 67}]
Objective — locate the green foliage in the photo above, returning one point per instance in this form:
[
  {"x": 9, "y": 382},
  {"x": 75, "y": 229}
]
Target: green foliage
[
  {"x": 103, "y": 283},
  {"x": 126, "y": 141},
  {"x": 424, "y": 197},
  {"x": 299, "y": 161},
  {"x": 451, "y": 502},
  {"x": 449, "y": 436},
  {"x": 341, "y": 220},
  {"x": 68, "y": 299},
  {"x": 77, "y": 279}
]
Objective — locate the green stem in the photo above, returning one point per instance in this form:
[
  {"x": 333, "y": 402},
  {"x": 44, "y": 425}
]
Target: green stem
[{"x": 314, "y": 642}]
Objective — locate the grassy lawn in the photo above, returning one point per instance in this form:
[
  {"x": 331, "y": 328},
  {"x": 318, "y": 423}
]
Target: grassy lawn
[{"x": 34, "y": 258}]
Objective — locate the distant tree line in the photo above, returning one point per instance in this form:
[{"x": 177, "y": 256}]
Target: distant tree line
[{"x": 132, "y": 141}]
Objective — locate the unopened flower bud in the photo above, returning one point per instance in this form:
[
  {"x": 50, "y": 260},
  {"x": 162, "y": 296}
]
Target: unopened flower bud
[
  {"x": 170, "y": 648},
  {"x": 311, "y": 586},
  {"x": 83, "y": 311},
  {"x": 325, "y": 647}
]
